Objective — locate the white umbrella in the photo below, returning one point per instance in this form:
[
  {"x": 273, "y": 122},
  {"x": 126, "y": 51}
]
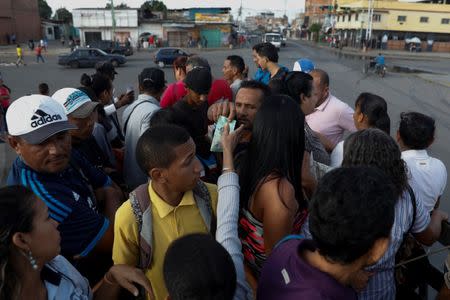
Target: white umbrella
[{"x": 415, "y": 40}]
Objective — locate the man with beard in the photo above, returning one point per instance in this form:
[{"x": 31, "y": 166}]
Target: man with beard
[{"x": 248, "y": 100}]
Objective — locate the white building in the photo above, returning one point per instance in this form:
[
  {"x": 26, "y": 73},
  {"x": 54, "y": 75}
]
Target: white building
[{"x": 97, "y": 24}]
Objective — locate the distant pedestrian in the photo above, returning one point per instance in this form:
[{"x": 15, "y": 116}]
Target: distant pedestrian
[
  {"x": 13, "y": 38},
  {"x": 205, "y": 42},
  {"x": 43, "y": 89},
  {"x": 151, "y": 41},
  {"x": 45, "y": 44},
  {"x": 39, "y": 54},
  {"x": 8, "y": 38},
  {"x": 71, "y": 44},
  {"x": 430, "y": 45},
  {"x": 31, "y": 44},
  {"x": 63, "y": 40},
  {"x": 19, "y": 56}
]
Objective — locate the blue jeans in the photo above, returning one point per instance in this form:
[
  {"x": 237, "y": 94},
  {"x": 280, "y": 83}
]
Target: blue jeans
[{"x": 41, "y": 57}]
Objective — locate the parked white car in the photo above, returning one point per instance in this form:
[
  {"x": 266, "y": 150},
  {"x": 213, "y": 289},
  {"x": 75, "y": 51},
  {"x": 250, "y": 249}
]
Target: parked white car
[{"x": 273, "y": 38}]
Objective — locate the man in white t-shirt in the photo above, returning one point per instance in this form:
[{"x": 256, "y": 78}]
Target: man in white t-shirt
[
  {"x": 233, "y": 69},
  {"x": 427, "y": 175}
]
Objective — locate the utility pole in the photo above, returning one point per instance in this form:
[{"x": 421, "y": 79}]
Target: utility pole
[
  {"x": 113, "y": 33},
  {"x": 240, "y": 16},
  {"x": 369, "y": 20}
]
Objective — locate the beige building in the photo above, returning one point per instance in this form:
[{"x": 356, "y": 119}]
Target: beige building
[{"x": 399, "y": 20}]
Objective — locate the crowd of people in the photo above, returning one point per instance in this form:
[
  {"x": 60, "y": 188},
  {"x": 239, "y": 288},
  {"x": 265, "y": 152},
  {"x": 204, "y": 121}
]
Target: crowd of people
[{"x": 308, "y": 199}]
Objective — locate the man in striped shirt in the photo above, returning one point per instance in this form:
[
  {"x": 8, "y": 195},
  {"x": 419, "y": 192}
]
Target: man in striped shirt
[{"x": 73, "y": 189}]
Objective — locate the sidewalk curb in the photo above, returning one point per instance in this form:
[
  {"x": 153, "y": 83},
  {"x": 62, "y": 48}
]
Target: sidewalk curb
[{"x": 371, "y": 53}]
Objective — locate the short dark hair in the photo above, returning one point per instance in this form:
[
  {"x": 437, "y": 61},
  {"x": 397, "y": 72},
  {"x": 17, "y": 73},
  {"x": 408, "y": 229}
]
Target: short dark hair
[
  {"x": 198, "y": 62},
  {"x": 197, "y": 267},
  {"x": 237, "y": 62},
  {"x": 267, "y": 50},
  {"x": 152, "y": 80},
  {"x": 373, "y": 147},
  {"x": 298, "y": 83},
  {"x": 155, "y": 148},
  {"x": 43, "y": 88},
  {"x": 324, "y": 78},
  {"x": 416, "y": 130},
  {"x": 374, "y": 108},
  {"x": 351, "y": 209},
  {"x": 256, "y": 85},
  {"x": 97, "y": 82},
  {"x": 277, "y": 87}
]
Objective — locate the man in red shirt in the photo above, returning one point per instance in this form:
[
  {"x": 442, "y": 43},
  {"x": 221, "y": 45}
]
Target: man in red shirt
[
  {"x": 220, "y": 88},
  {"x": 39, "y": 54}
]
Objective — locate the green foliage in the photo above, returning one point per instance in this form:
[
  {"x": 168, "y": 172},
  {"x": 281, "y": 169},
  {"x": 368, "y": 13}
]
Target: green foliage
[
  {"x": 121, "y": 5},
  {"x": 63, "y": 14},
  {"x": 45, "y": 11},
  {"x": 154, "y": 5},
  {"x": 316, "y": 27}
]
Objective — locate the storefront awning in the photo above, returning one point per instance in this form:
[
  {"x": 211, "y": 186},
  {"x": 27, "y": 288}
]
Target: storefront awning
[{"x": 179, "y": 25}]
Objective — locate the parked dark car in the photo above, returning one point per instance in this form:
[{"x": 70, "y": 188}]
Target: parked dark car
[
  {"x": 88, "y": 57},
  {"x": 166, "y": 56},
  {"x": 112, "y": 47}
]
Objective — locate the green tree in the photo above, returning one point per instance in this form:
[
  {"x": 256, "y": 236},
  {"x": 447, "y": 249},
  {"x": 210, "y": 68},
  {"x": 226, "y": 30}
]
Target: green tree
[
  {"x": 121, "y": 5},
  {"x": 315, "y": 29},
  {"x": 152, "y": 5},
  {"x": 63, "y": 14},
  {"x": 45, "y": 11}
]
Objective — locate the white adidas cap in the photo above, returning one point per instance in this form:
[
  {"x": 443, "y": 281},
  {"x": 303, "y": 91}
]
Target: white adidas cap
[
  {"x": 76, "y": 103},
  {"x": 35, "y": 118}
]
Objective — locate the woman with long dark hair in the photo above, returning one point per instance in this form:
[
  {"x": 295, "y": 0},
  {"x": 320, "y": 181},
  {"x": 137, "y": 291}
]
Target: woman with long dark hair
[
  {"x": 299, "y": 86},
  {"x": 373, "y": 147},
  {"x": 272, "y": 204},
  {"x": 370, "y": 112},
  {"x": 102, "y": 87},
  {"x": 30, "y": 264}
]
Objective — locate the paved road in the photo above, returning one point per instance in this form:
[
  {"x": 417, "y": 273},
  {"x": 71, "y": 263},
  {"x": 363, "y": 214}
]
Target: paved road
[{"x": 403, "y": 92}]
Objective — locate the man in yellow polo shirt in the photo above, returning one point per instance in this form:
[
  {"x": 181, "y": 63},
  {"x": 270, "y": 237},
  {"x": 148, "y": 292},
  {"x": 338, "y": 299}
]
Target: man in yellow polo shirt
[{"x": 167, "y": 154}]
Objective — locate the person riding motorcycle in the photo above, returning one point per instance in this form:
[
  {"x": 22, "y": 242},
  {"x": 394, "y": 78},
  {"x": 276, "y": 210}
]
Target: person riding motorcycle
[{"x": 379, "y": 60}]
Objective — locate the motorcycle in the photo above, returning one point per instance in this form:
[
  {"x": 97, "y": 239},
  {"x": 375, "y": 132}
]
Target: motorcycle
[{"x": 372, "y": 65}]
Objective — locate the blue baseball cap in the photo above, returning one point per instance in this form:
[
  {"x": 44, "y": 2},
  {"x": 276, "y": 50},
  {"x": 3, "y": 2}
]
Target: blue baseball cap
[{"x": 303, "y": 65}]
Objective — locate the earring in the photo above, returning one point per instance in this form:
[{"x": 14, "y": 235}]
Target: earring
[{"x": 32, "y": 260}]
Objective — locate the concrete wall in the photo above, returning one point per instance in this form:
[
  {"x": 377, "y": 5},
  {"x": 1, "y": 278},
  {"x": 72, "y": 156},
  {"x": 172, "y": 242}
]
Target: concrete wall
[
  {"x": 85, "y": 18},
  {"x": 22, "y": 18}
]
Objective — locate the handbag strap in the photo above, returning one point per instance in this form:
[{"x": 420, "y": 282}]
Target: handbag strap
[{"x": 414, "y": 203}]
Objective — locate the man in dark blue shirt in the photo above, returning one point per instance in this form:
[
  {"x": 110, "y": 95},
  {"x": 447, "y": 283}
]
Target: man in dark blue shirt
[{"x": 79, "y": 196}]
